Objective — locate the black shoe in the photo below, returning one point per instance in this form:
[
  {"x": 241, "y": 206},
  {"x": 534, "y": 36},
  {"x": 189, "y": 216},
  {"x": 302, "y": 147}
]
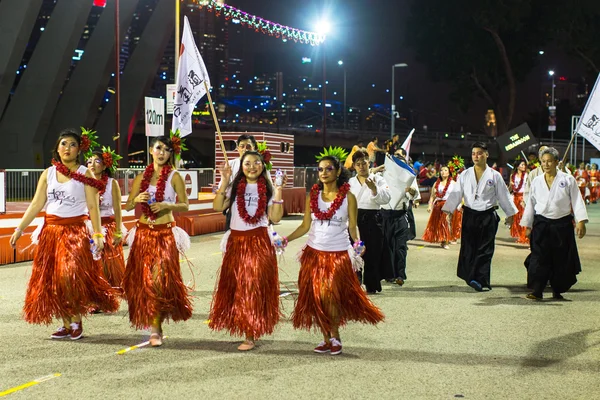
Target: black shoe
[
  {"x": 557, "y": 296},
  {"x": 476, "y": 285}
]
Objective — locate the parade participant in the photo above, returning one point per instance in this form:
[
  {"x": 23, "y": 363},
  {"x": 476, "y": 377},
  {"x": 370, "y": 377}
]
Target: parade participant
[
  {"x": 535, "y": 172},
  {"x": 65, "y": 282},
  {"x": 481, "y": 188},
  {"x": 246, "y": 299},
  {"x": 371, "y": 192},
  {"x": 438, "y": 229},
  {"x": 398, "y": 229},
  {"x": 456, "y": 166},
  {"x": 330, "y": 294},
  {"x": 348, "y": 162},
  {"x": 594, "y": 174},
  {"x": 373, "y": 149},
  {"x": 153, "y": 285},
  {"x": 554, "y": 202},
  {"x": 517, "y": 188},
  {"x": 582, "y": 177},
  {"x": 103, "y": 165}
]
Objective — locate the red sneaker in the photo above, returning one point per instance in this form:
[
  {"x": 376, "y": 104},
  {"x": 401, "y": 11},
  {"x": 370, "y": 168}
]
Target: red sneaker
[
  {"x": 336, "y": 346},
  {"x": 323, "y": 347},
  {"x": 76, "y": 330},
  {"x": 61, "y": 333}
]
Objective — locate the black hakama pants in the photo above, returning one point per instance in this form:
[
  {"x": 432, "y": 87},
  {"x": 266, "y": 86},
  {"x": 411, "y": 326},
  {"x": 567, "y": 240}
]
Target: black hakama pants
[
  {"x": 477, "y": 245},
  {"x": 371, "y": 233},
  {"x": 396, "y": 233},
  {"x": 554, "y": 256}
]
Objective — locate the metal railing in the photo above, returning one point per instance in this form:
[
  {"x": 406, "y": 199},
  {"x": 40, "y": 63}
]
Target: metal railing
[{"x": 21, "y": 183}]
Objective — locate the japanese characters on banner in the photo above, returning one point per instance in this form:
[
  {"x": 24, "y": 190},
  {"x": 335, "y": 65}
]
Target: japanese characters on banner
[
  {"x": 191, "y": 78},
  {"x": 589, "y": 123},
  {"x": 154, "y": 116}
]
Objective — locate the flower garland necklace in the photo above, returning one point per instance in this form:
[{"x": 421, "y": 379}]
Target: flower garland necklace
[
  {"x": 160, "y": 187},
  {"x": 335, "y": 205},
  {"x": 437, "y": 184},
  {"x": 79, "y": 177},
  {"x": 240, "y": 201},
  {"x": 515, "y": 188}
]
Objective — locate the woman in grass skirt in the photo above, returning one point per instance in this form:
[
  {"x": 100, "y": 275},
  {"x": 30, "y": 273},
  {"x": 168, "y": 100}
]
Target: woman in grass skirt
[
  {"x": 438, "y": 228},
  {"x": 103, "y": 164},
  {"x": 153, "y": 285},
  {"x": 246, "y": 299},
  {"x": 65, "y": 281},
  {"x": 517, "y": 188},
  {"x": 330, "y": 293}
]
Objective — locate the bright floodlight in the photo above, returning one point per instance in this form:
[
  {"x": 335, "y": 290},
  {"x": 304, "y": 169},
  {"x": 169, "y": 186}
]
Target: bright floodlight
[
  {"x": 551, "y": 73},
  {"x": 322, "y": 27},
  {"x": 401, "y": 65},
  {"x": 340, "y": 62}
]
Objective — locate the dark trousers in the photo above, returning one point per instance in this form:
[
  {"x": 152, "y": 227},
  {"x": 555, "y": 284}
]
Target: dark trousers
[
  {"x": 412, "y": 228},
  {"x": 554, "y": 256},
  {"x": 396, "y": 234},
  {"x": 369, "y": 226},
  {"x": 477, "y": 245}
]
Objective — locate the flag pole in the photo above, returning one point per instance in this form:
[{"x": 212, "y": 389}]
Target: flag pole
[
  {"x": 214, "y": 114},
  {"x": 568, "y": 147}
]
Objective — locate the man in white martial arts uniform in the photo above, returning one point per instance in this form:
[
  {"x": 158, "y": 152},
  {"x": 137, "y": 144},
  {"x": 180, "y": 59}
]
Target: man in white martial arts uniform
[
  {"x": 554, "y": 200},
  {"x": 482, "y": 188}
]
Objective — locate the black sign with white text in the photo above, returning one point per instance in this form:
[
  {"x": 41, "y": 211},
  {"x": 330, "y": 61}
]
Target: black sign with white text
[{"x": 516, "y": 140}]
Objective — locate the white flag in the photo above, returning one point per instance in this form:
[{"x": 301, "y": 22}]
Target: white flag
[
  {"x": 191, "y": 75},
  {"x": 406, "y": 144},
  {"x": 589, "y": 123}
]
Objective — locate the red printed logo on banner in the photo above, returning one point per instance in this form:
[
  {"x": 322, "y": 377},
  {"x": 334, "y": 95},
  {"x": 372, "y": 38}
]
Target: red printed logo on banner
[{"x": 100, "y": 3}]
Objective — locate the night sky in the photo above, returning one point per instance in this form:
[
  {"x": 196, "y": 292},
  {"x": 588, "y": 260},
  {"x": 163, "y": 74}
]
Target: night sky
[{"x": 369, "y": 37}]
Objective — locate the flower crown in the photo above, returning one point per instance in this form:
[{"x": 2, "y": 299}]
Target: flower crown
[
  {"x": 338, "y": 152},
  {"x": 88, "y": 142},
  {"x": 110, "y": 159},
  {"x": 178, "y": 144},
  {"x": 455, "y": 165},
  {"x": 263, "y": 150}
]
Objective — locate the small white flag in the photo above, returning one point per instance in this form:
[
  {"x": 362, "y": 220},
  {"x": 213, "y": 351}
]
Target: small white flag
[
  {"x": 589, "y": 123},
  {"x": 191, "y": 75},
  {"x": 406, "y": 144}
]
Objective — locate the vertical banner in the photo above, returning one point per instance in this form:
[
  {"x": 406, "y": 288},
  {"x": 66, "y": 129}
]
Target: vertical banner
[
  {"x": 589, "y": 123},
  {"x": 155, "y": 116},
  {"x": 552, "y": 119},
  {"x": 171, "y": 92}
]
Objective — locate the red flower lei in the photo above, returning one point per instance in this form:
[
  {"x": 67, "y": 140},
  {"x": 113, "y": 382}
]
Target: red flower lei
[
  {"x": 437, "y": 184},
  {"x": 517, "y": 189},
  {"x": 160, "y": 187},
  {"x": 240, "y": 201},
  {"x": 79, "y": 177},
  {"x": 337, "y": 203}
]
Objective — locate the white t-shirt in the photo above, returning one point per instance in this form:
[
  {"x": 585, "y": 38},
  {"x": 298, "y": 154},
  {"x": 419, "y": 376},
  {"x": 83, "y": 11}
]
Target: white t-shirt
[
  {"x": 170, "y": 194},
  {"x": 330, "y": 235},
  {"x": 251, "y": 201},
  {"x": 65, "y": 199},
  {"x": 106, "y": 200}
]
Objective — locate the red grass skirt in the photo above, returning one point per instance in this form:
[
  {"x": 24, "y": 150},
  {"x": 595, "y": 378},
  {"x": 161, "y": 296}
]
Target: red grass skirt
[
  {"x": 112, "y": 261},
  {"x": 516, "y": 230},
  {"x": 246, "y": 299},
  {"x": 456, "y": 225},
  {"x": 152, "y": 283},
  {"x": 330, "y": 292},
  {"x": 437, "y": 230},
  {"x": 65, "y": 281}
]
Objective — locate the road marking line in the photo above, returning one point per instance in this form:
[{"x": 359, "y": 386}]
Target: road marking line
[
  {"x": 137, "y": 346},
  {"x": 29, "y": 384}
]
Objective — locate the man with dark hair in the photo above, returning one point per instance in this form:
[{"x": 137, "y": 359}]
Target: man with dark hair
[
  {"x": 395, "y": 144},
  {"x": 481, "y": 188},
  {"x": 373, "y": 148}
]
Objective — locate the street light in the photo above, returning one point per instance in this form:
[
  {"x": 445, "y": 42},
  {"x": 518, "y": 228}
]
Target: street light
[
  {"x": 322, "y": 28},
  {"x": 552, "y": 109},
  {"x": 341, "y": 64},
  {"x": 400, "y": 65}
]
